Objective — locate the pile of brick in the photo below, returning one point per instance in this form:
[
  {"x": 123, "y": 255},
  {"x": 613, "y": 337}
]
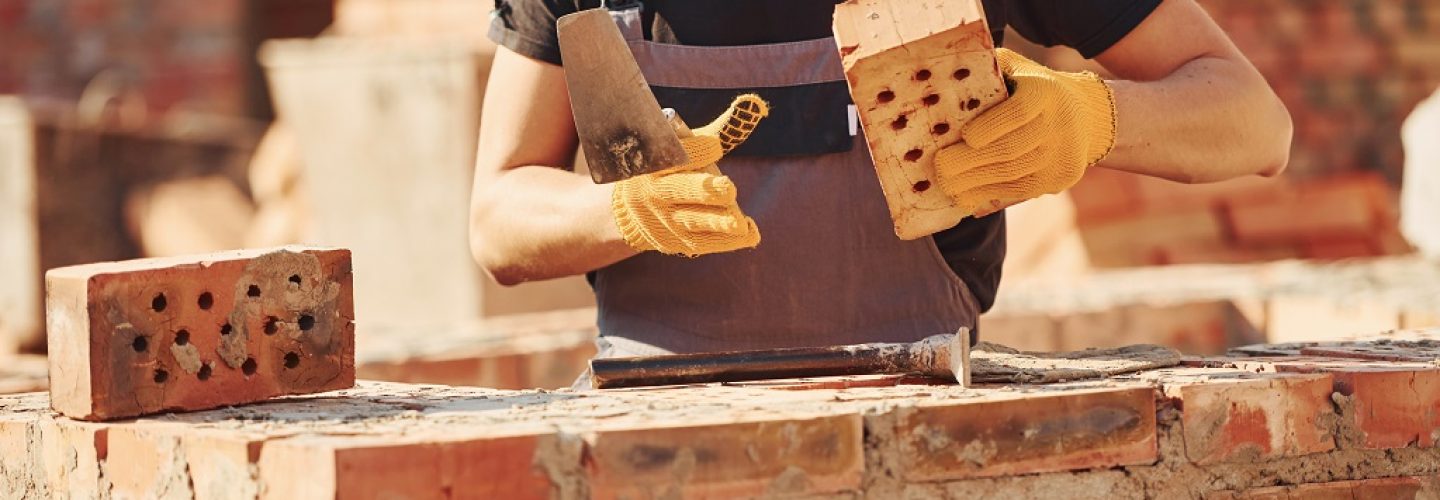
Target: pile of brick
[
  {"x": 1205, "y": 309},
  {"x": 1234, "y": 427},
  {"x": 518, "y": 351},
  {"x": 1349, "y": 72},
  {"x": 1130, "y": 220}
]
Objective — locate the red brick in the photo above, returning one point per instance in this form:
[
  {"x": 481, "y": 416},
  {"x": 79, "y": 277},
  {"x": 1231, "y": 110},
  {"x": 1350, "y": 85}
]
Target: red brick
[
  {"x": 1105, "y": 194},
  {"x": 1391, "y": 406},
  {"x": 417, "y": 466},
  {"x": 74, "y": 453},
  {"x": 1335, "y": 209},
  {"x": 1341, "y": 248},
  {"x": 1133, "y": 240},
  {"x": 1026, "y": 332},
  {"x": 97, "y": 314},
  {"x": 790, "y": 456},
  {"x": 1026, "y": 433},
  {"x": 1230, "y": 415},
  {"x": 1202, "y": 327},
  {"x": 1301, "y": 318},
  {"x": 1367, "y": 489},
  {"x": 21, "y": 468}
]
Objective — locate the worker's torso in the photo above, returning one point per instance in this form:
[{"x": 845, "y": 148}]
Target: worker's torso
[{"x": 829, "y": 269}]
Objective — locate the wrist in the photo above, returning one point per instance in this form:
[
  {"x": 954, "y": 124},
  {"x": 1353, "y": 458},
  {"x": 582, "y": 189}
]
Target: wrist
[{"x": 1097, "y": 102}]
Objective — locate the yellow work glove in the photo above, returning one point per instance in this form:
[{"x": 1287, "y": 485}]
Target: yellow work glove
[
  {"x": 690, "y": 209},
  {"x": 1039, "y": 141}
]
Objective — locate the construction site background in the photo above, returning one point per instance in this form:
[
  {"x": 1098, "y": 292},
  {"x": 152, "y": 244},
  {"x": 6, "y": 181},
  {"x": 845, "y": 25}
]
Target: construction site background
[{"x": 148, "y": 128}]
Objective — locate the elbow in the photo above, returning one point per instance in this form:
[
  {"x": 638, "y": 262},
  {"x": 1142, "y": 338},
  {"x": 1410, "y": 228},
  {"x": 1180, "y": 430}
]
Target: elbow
[
  {"x": 504, "y": 276},
  {"x": 1274, "y": 152},
  {"x": 499, "y": 270},
  {"x": 486, "y": 256}
]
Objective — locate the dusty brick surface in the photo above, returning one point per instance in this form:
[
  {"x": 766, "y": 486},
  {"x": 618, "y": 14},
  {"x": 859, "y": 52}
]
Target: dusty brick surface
[
  {"x": 1026, "y": 434},
  {"x": 1232, "y": 415},
  {"x": 137, "y": 337},
  {"x": 1370, "y": 489},
  {"x": 1172, "y": 433},
  {"x": 419, "y": 466},
  {"x": 824, "y": 454}
]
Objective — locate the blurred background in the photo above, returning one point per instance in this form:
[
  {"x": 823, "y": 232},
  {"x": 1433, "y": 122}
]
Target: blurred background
[{"x": 133, "y": 128}]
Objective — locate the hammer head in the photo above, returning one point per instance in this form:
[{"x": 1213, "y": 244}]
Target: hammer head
[
  {"x": 946, "y": 355},
  {"x": 617, "y": 118}
]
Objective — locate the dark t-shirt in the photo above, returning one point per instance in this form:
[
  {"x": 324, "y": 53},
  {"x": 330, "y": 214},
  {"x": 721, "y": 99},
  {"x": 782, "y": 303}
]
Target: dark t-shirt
[{"x": 975, "y": 248}]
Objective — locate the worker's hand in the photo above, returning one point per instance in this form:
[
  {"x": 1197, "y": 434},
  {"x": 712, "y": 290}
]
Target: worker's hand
[
  {"x": 1039, "y": 141},
  {"x": 691, "y": 209}
]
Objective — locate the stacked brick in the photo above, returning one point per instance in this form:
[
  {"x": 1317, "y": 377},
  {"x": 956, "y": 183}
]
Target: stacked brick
[
  {"x": 519, "y": 351},
  {"x": 1349, "y": 73},
  {"x": 1206, "y": 309},
  {"x": 163, "y": 55},
  {"x": 1235, "y": 427},
  {"x": 1129, "y": 220}
]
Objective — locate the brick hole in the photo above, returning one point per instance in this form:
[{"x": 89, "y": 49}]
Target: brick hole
[
  {"x": 931, "y": 100},
  {"x": 225, "y": 329},
  {"x": 158, "y": 303},
  {"x": 848, "y": 49},
  {"x": 253, "y": 291},
  {"x": 161, "y": 375},
  {"x": 182, "y": 337},
  {"x": 140, "y": 344},
  {"x": 205, "y": 372},
  {"x": 940, "y": 128},
  {"x": 292, "y": 360},
  {"x": 921, "y": 186},
  {"x": 922, "y": 75},
  {"x": 295, "y": 278},
  {"x": 972, "y": 104},
  {"x": 205, "y": 301},
  {"x": 885, "y": 96},
  {"x": 248, "y": 367},
  {"x": 913, "y": 154},
  {"x": 900, "y": 122},
  {"x": 306, "y": 322},
  {"x": 961, "y": 74},
  {"x": 272, "y": 325}
]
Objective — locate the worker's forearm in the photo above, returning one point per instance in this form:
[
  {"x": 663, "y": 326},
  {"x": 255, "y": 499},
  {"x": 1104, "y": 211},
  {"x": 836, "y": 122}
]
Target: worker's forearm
[
  {"x": 536, "y": 223},
  {"x": 1212, "y": 119}
]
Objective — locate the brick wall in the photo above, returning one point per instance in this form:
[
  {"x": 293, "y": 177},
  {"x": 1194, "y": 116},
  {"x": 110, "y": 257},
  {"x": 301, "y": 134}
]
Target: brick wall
[
  {"x": 1292, "y": 426},
  {"x": 173, "y": 53},
  {"x": 1349, "y": 71}
]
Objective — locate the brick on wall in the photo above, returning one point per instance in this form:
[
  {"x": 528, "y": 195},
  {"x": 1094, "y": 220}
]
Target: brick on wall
[{"x": 197, "y": 332}]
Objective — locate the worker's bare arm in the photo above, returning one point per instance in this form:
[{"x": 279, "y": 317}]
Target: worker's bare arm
[
  {"x": 529, "y": 219},
  {"x": 1191, "y": 107}
]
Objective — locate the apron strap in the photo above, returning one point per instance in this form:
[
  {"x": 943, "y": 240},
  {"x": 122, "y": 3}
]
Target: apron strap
[{"x": 626, "y": 14}]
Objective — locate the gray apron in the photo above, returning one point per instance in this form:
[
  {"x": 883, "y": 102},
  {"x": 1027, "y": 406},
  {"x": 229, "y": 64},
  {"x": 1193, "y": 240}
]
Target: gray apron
[{"x": 829, "y": 269}]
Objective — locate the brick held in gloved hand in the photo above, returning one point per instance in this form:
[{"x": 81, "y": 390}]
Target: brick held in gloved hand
[
  {"x": 196, "y": 332},
  {"x": 917, "y": 72}
]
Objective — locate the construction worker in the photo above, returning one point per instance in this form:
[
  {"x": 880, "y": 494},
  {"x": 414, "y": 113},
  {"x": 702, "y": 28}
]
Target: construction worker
[{"x": 676, "y": 258}]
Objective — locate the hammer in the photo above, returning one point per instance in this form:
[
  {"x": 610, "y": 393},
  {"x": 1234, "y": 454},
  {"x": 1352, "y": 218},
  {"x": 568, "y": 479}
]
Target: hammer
[{"x": 942, "y": 356}]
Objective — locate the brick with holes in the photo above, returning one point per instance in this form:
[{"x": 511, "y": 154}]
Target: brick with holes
[
  {"x": 195, "y": 332},
  {"x": 917, "y": 71}
]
